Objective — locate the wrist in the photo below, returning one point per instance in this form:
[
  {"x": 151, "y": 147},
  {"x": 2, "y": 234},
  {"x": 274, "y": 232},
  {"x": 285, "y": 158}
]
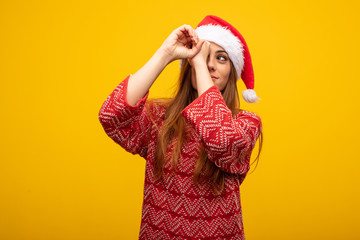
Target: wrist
[
  {"x": 198, "y": 64},
  {"x": 165, "y": 57}
]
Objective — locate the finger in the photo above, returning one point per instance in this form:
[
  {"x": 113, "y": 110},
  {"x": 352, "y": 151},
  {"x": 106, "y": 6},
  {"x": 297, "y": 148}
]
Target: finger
[
  {"x": 183, "y": 38},
  {"x": 186, "y": 42},
  {"x": 188, "y": 31},
  {"x": 196, "y": 37},
  {"x": 182, "y": 31},
  {"x": 196, "y": 49},
  {"x": 185, "y": 29},
  {"x": 201, "y": 42},
  {"x": 207, "y": 45}
]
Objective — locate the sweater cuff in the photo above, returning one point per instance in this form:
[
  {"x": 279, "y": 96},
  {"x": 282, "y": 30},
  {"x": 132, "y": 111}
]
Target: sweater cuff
[
  {"x": 140, "y": 104},
  {"x": 199, "y": 104}
]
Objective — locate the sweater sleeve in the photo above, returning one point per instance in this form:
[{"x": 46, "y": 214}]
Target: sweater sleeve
[
  {"x": 228, "y": 141},
  {"x": 127, "y": 125}
]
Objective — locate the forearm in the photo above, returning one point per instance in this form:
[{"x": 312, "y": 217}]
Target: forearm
[
  {"x": 228, "y": 141},
  {"x": 203, "y": 78},
  {"x": 140, "y": 82},
  {"x": 128, "y": 126}
]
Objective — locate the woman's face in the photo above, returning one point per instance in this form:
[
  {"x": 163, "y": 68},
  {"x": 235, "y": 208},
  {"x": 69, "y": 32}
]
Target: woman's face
[{"x": 218, "y": 65}]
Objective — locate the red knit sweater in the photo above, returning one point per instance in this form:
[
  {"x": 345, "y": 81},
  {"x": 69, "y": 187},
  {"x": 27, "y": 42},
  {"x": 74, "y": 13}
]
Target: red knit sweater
[{"x": 174, "y": 207}]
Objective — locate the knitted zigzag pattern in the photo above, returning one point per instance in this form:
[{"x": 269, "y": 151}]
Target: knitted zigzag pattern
[{"x": 174, "y": 207}]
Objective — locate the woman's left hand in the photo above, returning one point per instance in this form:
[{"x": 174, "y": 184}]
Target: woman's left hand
[
  {"x": 201, "y": 57},
  {"x": 200, "y": 64}
]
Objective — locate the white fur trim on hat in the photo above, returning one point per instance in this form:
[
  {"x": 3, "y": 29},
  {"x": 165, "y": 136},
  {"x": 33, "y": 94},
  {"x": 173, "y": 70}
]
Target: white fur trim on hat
[
  {"x": 224, "y": 38},
  {"x": 249, "y": 96}
]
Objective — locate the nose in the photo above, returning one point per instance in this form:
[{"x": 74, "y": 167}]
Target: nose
[{"x": 211, "y": 63}]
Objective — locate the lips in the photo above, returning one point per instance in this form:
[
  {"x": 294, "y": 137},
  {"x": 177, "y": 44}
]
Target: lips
[{"x": 213, "y": 77}]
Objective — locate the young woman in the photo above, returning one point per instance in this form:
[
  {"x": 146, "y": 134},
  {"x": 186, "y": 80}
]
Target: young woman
[{"x": 198, "y": 144}]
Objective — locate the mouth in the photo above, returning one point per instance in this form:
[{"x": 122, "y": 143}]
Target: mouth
[{"x": 213, "y": 77}]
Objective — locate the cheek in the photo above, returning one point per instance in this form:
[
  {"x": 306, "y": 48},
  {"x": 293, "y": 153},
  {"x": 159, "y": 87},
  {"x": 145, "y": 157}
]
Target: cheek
[{"x": 224, "y": 71}]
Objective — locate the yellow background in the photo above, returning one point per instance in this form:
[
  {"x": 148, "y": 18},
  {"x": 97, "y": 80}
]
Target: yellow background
[{"x": 61, "y": 177}]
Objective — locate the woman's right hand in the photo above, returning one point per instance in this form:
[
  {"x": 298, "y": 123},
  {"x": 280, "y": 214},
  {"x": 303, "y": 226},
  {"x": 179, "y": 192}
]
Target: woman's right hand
[{"x": 182, "y": 43}]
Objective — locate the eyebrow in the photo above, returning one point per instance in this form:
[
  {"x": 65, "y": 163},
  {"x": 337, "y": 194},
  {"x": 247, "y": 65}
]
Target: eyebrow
[{"x": 218, "y": 51}]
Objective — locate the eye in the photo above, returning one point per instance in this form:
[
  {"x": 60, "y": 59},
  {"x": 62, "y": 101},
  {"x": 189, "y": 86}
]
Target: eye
[{"x": 222, "y": 58}]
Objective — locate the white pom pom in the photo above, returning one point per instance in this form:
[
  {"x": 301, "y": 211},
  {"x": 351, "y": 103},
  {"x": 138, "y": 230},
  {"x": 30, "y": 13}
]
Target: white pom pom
[{"x": 249, "y": 96}]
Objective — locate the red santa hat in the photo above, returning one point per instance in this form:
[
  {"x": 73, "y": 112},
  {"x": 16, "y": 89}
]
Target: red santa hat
[{"x": 217, "y": 30}]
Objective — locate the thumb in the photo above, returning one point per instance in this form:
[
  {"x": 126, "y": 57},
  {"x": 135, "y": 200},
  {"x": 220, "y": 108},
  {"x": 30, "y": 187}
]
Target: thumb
[{"x": 196, "y": 49}]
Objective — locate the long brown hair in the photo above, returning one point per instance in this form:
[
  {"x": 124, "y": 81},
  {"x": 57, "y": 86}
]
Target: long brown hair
[{"x": 174, "y": 128}]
